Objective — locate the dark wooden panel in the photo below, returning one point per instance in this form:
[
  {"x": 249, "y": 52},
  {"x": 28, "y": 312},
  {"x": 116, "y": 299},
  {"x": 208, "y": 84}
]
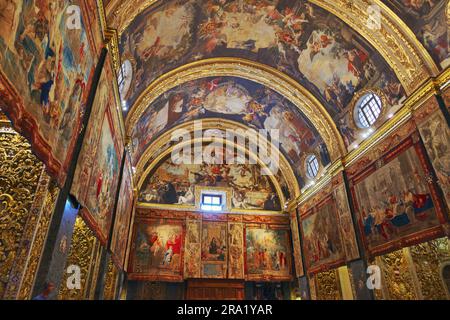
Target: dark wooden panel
[{"x": 215, "y": 290}]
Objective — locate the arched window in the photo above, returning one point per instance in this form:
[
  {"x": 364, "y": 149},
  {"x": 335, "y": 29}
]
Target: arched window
[
  {"x": 312, "y": 166},
  {"x": 368, "y": 109}
]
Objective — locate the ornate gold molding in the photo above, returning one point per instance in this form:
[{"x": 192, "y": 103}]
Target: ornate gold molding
[
  {"x": 394, "y": 40},
  {"x": 153, "y": 154},
  {"x": 260, "y": 73}
]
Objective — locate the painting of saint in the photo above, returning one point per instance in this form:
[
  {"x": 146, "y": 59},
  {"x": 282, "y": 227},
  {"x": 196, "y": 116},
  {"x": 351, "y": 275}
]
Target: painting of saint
[
  {"x": 394, "y": 200},
  {"x": 51, "y": 67},
  {"x": 158, "y": 250},
  {"x": 214, "y": 250},
  {"x": 322, "y": 242},
  {"x": 104, "y": 180},
  {"x": 267, "y": 254}
]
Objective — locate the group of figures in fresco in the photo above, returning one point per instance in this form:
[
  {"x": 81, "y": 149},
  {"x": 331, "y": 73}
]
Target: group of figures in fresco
[
  {"x": 233, "y": 99},
  {"x": 175, "y": 184},
  {"x": 296, "y": 37},
  {"x": 160, "y": 244}
]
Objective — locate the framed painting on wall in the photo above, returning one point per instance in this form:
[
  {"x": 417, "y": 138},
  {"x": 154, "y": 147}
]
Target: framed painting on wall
[
  {"x": 157, "y": 250},
  {"x": 396, "y": 199},
  {"x": 267, "y": 254},
  {"x": 103, "y": 182},
  {"x": 214, "y": 250},
  {"x": 46, "y": 71},
  {"x": 122, "y": 221},
  {"x": 322, "y": 243}
]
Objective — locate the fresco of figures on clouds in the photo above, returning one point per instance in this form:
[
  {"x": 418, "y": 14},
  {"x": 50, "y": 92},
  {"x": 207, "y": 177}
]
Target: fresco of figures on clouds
[
  {"x": 175, "y": 184},
  {"x": 395, "y": 201},
  {"x": 234, "y": 99},
  {"x": 50, "y": 65},
  {"x": 296, "y": 37},
  {"x": 429, "y": 22},
  {"x": 321, "y": 238},
  {"x": 268, "y": 253},
  {"x": 158, "y": 250}
]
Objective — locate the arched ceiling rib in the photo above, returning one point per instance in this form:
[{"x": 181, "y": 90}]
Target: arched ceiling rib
[{"x": 263, "y": 75}]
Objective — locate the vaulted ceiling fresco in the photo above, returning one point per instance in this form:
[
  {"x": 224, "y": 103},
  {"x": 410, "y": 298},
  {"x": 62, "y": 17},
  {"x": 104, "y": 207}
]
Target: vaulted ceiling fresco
[
  {"x": 428, "y": 19},
  {"x": 296, "y": 37},
  {"x": 236, "y": 99}
]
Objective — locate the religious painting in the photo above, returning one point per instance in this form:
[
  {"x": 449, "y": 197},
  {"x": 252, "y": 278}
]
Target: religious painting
[
  {"x": 267, "y": 255},
  {"x": 103, "y": 101},
  {"x": 214, "y": 250},
  {"x": 396, "y": 201},
  {"x": 236, "y": 251},
  {"x": 193, "y": 249},
  {"x": 173, "y": 183},
  {"x": 122, "y": 221},
  {"x": 103, "y": 182},
  {"x": 157, "y": 252},
  {"x": 346, "y": 223},
  {"x": 299, "y": 272},
  {"x": 50, "y": 66},
  {"x": 235, "y": 99},
  {"x": 436, "y": 138},
  {"x": 322, "y": 244},
  {"x": 428, "y": 19},
  {"x": 306, "y": 42}
]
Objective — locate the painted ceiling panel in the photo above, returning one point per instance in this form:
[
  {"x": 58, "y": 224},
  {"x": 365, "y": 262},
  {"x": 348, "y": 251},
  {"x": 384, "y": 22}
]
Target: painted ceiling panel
[
  {"x": 236, "y": 99},
  {"x": 304, "y": 41}
]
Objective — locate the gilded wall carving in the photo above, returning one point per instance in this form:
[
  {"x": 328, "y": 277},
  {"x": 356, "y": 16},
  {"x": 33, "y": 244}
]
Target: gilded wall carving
[
  {"x": 236, "y": 252},
  {"x": 427, "y": 258},
  {"x": 82, "y": 253},
  {"x": 328, "y": 287},
  {"x": 398, "y": 281},
  {"x": 111, "y": 279},
  {"x": 20, "y": 172},
  {"x": 193, "y": 249},
  {"x": 39, "y": 240}
]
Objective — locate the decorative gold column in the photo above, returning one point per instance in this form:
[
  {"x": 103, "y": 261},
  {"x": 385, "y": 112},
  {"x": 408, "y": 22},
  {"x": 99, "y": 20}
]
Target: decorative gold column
[
  {"x": 20, "y": 173},
  {"x": 84, "y": 253}
]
